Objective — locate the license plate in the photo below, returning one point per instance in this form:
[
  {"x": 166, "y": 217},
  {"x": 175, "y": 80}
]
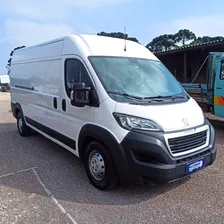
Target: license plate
[{"x": 194, "y": 166}]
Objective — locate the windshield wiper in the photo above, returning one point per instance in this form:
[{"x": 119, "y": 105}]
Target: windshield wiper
[
  {"x": 125, "y": 95},
  {"x": 155, "y": 98},
  {"x": 178, "y": 97},
  {"x": 158, "y": 98},
  {"x": 161, "y": 98}
]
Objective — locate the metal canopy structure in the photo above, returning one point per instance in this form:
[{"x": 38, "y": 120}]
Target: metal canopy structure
[
  {"x": 184, "y": 62},
  {"x": 192, "y": 47}
]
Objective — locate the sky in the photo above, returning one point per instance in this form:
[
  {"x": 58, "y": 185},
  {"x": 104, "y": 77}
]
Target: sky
[{"x": 28, "y": 22}]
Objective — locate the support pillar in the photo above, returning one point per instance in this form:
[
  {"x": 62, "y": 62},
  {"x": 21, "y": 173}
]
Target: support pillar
[{"x": 185, "y": 67}]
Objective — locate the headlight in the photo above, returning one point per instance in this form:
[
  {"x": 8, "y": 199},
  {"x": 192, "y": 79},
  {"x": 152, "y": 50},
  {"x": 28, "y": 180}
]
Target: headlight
[{"x": 130, "y": 122}]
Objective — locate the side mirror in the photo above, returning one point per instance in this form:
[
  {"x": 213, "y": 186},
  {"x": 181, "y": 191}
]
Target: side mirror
[{"x": 80, "y": 95}]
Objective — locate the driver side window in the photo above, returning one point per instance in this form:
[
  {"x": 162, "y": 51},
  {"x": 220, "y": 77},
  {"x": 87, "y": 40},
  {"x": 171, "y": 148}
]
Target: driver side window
[{"x": 75, "y": 72}]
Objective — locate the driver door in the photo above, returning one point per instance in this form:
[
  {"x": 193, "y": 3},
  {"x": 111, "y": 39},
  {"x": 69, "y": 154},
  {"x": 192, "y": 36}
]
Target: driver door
[
  {"x": 219, "y": 88},
  {"x": 73, "y": 118}
]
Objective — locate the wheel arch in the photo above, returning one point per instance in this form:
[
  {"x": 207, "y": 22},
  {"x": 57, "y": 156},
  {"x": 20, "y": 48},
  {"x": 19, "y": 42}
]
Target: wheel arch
[
  {"x": 91, "y": 132},
  {"x": 16, "y": 108}
]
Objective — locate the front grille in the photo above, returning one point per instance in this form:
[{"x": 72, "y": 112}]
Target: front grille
[{"x": 186, "y": 143}]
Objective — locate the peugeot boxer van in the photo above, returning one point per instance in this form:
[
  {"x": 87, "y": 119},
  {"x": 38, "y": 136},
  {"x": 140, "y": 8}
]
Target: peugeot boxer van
[{"x": 113, "y": 104}]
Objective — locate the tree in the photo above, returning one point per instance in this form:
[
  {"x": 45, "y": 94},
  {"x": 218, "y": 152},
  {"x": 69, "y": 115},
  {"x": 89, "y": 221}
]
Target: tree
[
  {"x": 10, "y": 59},
  {"x": 183, "y": 36},
  {"x": 173, "y": 41},
  {"x": 206, "y": 39},
  {"x": 133, "y": 39},
  {"x": 218, "y": 38},
  {"x": 118, "y": 35},
  {"x": 162, "y": 42}
]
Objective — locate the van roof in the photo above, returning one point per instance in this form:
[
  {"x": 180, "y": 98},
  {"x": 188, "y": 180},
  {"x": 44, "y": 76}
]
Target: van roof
[
  {"x": 101, "y": 45},
  {"x": 91, "y": 45}
]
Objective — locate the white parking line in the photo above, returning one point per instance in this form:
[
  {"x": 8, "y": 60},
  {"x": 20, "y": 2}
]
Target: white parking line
[
  {"x": 32, "y": 168},
  {"x": 19, "y": 171},
  {"x": 62, "y": 209},
  {"x": 72, "y": 221},
  {"x": 7, "y": 175}
]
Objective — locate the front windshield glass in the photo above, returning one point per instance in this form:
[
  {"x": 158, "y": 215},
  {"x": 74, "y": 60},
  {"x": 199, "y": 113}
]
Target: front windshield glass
[{"x": 143, "y": 78}]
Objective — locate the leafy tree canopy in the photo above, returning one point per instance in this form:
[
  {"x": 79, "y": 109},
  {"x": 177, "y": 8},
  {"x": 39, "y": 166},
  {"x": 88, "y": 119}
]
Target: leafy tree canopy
[
  {"x": 118, "y": 35},
  {"x": 181, "y": 38}
]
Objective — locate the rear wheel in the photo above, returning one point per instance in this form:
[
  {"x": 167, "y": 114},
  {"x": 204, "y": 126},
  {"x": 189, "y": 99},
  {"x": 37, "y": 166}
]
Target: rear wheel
[
  {"x": 99, "y": 166},
  {"x": 23, "y": 129}
]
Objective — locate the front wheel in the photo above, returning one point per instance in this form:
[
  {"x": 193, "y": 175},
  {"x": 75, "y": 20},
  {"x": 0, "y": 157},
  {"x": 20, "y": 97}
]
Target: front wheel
[
  {"x": 23, "y": 129},
  {"x": 99, "y": 166}
]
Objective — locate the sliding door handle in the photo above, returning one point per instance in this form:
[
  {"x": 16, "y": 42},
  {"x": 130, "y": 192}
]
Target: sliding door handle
[
  {"x": 55, "y": 103},
  {"x": 64, "y": 105}
]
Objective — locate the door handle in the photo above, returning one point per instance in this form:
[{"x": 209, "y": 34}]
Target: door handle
[
  {"x": 63, "y": 105},
  {"x": 55, "y": 103},
  {"x": 218, "y": 88}
]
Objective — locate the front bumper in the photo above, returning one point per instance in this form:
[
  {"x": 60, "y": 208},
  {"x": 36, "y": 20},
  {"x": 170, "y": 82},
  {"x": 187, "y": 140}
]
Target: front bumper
[{"x": 148, "y": 157}]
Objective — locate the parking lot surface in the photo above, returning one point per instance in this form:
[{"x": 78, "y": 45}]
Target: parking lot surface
[{"x": 40, "y": 182}]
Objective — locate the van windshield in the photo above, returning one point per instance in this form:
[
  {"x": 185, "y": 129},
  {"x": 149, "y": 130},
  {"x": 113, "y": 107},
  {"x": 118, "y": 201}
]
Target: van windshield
[{"x": 135, "y": 77}]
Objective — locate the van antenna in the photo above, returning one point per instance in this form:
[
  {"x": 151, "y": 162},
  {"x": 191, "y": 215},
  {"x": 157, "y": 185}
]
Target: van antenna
[{"x": 125, "y": 37}]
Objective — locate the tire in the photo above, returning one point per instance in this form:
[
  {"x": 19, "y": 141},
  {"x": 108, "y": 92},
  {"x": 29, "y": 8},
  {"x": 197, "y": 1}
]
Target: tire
[
  {"x": 23, "y": 129},
  {"x": 97, "y": 161}
]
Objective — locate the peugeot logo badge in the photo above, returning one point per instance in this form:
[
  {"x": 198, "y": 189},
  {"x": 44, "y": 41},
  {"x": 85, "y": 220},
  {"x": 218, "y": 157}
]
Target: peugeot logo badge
[{"x": 185, "y": 121}]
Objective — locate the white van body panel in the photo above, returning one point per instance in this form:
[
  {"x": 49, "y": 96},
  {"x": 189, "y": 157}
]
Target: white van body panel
[
  {"x": 37, "y": 103},
  {"x": 168, "y": 117},
  {"x": 36, "y": 78},
  {"x": 103, "y": 117},
  {"x": 39, "y": 52}
]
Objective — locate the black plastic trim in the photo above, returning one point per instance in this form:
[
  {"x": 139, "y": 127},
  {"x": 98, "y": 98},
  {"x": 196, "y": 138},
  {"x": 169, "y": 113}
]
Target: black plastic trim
[
  {"x": 63, "y": 104},
  {"x": 94, "y": 132},
  {"x": 55, "y": 103},
  {"x": 15, "y": 107},
  {"x": 52, "y": 133},
  {"x": 25, "y": 87},
  {"x": 148, "y": 157}
]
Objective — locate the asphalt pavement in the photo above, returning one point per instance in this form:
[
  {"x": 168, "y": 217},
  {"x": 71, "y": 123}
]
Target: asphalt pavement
[{"x": 40, "y": 182}]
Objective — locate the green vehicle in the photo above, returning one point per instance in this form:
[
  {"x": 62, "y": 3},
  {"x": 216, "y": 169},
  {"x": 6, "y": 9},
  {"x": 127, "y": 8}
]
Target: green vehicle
[{"x": 210, "y": 94}]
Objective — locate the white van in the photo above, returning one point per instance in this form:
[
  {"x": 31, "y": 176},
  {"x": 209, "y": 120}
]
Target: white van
[
  {"x": 112, "y": 104},
  {"x": 4, "y": 82}
]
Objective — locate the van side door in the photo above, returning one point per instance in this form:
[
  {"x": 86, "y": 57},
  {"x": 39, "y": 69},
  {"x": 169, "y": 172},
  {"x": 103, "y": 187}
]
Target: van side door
[
  {"x": 73, "y": 118},
  {"x": 219, "y": 88}
]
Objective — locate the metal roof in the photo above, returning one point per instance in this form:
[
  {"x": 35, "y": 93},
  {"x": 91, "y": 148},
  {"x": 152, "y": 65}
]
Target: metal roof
[{"x": 191, "y": 47}]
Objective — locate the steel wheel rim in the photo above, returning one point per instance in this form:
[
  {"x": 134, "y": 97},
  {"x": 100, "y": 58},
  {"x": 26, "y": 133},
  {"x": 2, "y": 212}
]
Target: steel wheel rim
[
  {"x": 96, "y": 165},
  {"x": 20, "y": 124}
]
